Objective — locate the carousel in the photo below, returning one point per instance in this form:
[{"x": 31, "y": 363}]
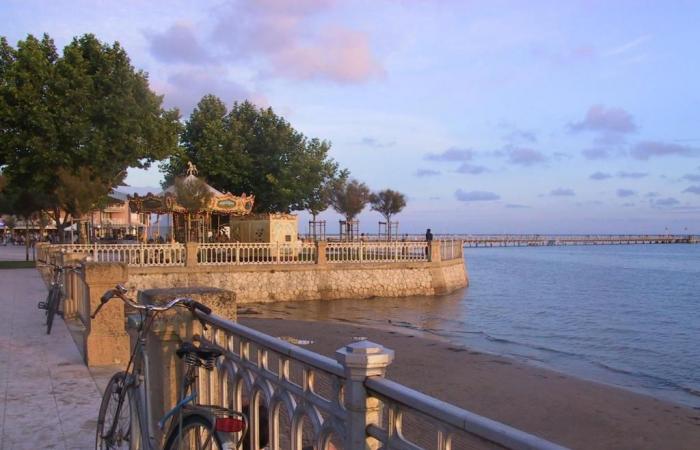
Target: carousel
[{"x": 209, "y": 223}]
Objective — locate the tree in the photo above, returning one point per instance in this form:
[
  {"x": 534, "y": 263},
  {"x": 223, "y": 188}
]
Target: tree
[
  {"x": 80, "y": 192},
  {"x": 88, "y": 107},
  {"x": 387, "y": 203},
  {"x": 321, "y": 196},
  {"x": 349, "y": 198},
  {"x": 192, "y": 194},
  {"x": 255, "y": 151}
]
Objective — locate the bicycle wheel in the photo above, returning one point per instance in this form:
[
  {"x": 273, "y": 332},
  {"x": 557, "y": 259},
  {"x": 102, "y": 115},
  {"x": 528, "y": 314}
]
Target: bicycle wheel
[
  {"x": 197, "y": 434},
  {"x": 52, "y": 307},
  {"x": 114, "y": 419}
]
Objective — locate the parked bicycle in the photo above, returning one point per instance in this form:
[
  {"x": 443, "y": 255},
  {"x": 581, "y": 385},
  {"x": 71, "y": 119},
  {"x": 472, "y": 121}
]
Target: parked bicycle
[
  {"x": 53, "y": 299},
  {"x": 123, "y": 421}
]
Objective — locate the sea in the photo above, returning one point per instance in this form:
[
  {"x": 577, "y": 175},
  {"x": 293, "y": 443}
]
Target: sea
[{"x": 624, "y": 315}]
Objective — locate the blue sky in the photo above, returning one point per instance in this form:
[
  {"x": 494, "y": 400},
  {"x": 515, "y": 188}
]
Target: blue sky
[{"x": 491, "y": 116}]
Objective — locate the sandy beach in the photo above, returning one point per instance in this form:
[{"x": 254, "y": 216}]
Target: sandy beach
[{"x": 567, "y": 410}]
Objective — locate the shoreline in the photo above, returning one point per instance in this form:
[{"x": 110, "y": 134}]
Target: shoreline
[{"x": 572, "y": 411}]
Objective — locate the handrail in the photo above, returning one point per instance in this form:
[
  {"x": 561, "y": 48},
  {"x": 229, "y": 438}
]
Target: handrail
[
  {"x": 282, "y": 347},
  {"x": 458, "y": 418}
]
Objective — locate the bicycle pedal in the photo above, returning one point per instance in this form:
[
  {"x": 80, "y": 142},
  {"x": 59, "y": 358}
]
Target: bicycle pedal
[{"x": 42, "y": 305}]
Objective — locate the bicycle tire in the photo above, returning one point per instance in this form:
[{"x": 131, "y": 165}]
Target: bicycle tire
[
  {"x": 114, "y": 395},
  {"x": 52, "y": 307},
  {"x": 193, "y": 422}
]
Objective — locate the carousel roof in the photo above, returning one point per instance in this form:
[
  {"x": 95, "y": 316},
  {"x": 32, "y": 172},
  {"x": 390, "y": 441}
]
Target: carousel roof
[{"x": 165, "y": 202}]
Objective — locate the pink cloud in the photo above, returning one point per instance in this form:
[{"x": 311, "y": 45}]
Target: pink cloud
[
  {"x": 287, "y": 37},
  {"x": 340, "y": 54}
]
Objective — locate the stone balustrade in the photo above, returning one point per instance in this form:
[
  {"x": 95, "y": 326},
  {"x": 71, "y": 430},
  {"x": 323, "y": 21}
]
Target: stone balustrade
[
  {"x": 257, "y": 253},
  {"x": 308, "y": 400}
]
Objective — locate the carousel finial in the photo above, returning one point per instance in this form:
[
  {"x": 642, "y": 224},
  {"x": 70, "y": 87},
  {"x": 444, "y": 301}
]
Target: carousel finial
[{"x": 191, "y": 168}]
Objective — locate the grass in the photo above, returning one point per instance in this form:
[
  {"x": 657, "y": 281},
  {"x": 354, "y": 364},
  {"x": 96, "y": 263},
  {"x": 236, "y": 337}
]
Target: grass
[{"x": 17, "y": 265}]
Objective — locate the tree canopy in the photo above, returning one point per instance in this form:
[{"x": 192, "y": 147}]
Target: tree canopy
[
  {"x": 253, "y": 150},
  {"x": 87, "y": 108},
  {"x": 387, "y": 203},
  {"x": 349, "y": 198}
]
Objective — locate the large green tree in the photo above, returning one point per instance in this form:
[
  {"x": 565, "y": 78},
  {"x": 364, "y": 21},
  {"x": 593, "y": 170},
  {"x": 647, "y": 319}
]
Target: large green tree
[
  {"x": 252, "y": 150},
  {"x": 87, "y": 108}
]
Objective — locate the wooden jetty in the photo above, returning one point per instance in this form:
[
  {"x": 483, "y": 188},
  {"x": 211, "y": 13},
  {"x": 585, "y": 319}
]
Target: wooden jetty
[{"x": 522, "y": 240}]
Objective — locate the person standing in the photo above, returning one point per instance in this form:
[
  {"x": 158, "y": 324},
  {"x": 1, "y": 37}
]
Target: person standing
[{"x": 429, "y": 240}]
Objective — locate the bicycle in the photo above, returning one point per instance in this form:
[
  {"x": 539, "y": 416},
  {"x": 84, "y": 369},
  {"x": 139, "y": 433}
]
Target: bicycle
[
  {"x": 124, "y": 417},
  {"x": 53, "y": 299}
]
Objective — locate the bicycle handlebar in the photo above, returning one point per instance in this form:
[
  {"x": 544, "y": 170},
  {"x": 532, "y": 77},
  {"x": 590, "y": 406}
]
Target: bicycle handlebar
[{"x": 120, "y": 291}]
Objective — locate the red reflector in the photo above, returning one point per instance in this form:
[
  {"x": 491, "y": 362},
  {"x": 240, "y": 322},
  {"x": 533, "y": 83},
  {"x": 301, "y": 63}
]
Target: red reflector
[{"x": 229, "y": 425}]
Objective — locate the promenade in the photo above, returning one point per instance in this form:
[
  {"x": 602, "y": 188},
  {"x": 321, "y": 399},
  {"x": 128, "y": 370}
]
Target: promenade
[{"x": 48, "y": 398}]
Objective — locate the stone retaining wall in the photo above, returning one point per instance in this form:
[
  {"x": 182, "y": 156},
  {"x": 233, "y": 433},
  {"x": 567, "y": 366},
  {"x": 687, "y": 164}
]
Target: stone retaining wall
[{"x": 325, "y": 282}]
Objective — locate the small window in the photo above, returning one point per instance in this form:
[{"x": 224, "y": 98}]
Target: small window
[{"x": 288, "y": 238}]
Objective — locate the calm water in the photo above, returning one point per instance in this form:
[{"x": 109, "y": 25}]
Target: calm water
[{"x": 624, "y": 315}]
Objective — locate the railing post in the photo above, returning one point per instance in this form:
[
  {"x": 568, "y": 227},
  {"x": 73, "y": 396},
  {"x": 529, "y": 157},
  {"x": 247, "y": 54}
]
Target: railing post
[
  {"x": 70, "y": 305},
  {"x": 238, "y": 252},
  {"x": 434, "y": 251},
  {"x": 143, "y": 255},
  {"x": 106, "y": 341},
  {"x": 321, "y": 252},
  {"x": 362, "y": 360},
  {"x": 191, "y": 254},
  {"x": 94, "y": 252}
]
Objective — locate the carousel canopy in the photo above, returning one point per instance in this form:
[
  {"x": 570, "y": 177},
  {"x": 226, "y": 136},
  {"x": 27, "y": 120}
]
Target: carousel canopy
[{"x": 165, "y": 202}]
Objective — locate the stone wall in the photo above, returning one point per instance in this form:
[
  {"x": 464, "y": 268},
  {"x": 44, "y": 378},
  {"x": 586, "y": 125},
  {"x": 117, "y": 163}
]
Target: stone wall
[{"x": 263, "y": 283}]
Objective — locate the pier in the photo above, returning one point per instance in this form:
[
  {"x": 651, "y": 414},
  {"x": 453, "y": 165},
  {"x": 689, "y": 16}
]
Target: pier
[{"x": 525, "y": 240}]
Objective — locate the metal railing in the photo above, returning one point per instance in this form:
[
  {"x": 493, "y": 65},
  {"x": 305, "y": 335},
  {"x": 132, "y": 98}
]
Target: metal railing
[{"x": 310, "y": 400}]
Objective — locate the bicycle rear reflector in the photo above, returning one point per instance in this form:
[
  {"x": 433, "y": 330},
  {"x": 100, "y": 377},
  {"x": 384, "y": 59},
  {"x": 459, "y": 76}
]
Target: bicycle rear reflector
[{"x": 229, "y": 424}]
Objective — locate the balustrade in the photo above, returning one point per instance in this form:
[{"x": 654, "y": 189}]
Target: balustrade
[{"x": 305, "y": 400}]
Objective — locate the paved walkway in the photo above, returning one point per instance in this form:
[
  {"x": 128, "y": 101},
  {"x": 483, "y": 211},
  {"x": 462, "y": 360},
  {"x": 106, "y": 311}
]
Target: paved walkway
[{"x": 48, "y": 398}]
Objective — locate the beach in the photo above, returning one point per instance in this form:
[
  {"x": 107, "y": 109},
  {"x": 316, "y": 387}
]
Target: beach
[{"x": 573, "y": 412}]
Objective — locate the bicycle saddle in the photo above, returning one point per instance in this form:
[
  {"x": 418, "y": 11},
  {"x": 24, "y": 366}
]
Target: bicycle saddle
[{"x": 201, "y": 352}]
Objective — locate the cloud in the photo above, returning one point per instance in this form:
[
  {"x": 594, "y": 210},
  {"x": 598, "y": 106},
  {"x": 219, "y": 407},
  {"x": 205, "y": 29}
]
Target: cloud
[
  {"x": 516, "y": 206},
  {"x": 626, "y": 193},
  {"x": 627, "y": 205},
  {"x": 562, "y": 192},
  {"x": 177, "y": 44},
  {"x": 426, "y": 173},
  {"x": 692, "y": 190},
  {"x": 525, "y": 156},
  {"x": 452, "y": 154},
  {"x": 286, "y": 35},
  {"x": 596, "y": 153},
  {"x": 627, "y": 46},
  {"x": 691, "y": 177},
  {"x": 375, "y": 143},
  {"x": 606, "y": 120},
  {"x": 600, "y": 176},
  {"x": 652, "y": 194},
  {"x": 668, "y": 201},
  {"x": 634, "y": 175},
  {"x": 651, "y": 149},
  {"x": 471, "y": 169},
  {"x": 475, "y": 196}
]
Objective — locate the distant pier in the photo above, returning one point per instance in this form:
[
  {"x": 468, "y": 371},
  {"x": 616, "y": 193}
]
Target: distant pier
[{"x": 532, "y": 240}]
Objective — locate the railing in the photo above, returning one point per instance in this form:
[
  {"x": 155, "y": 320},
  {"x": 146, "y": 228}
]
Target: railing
[
  {"x": 412, "y": 420},
  {"x": 310, "y": 400},
  {"x": 451, "y": 249},
  {"x": 256, "y": 253},
  {"x": 358, "y": 252}
]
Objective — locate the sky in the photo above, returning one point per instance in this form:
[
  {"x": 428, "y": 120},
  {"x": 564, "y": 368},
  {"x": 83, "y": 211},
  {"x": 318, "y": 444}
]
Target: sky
[{"x": 491, "y": 116}]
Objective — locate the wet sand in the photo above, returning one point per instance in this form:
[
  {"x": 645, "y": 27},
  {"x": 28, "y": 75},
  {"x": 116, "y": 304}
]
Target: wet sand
[{"x": 567, "y": 410}]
